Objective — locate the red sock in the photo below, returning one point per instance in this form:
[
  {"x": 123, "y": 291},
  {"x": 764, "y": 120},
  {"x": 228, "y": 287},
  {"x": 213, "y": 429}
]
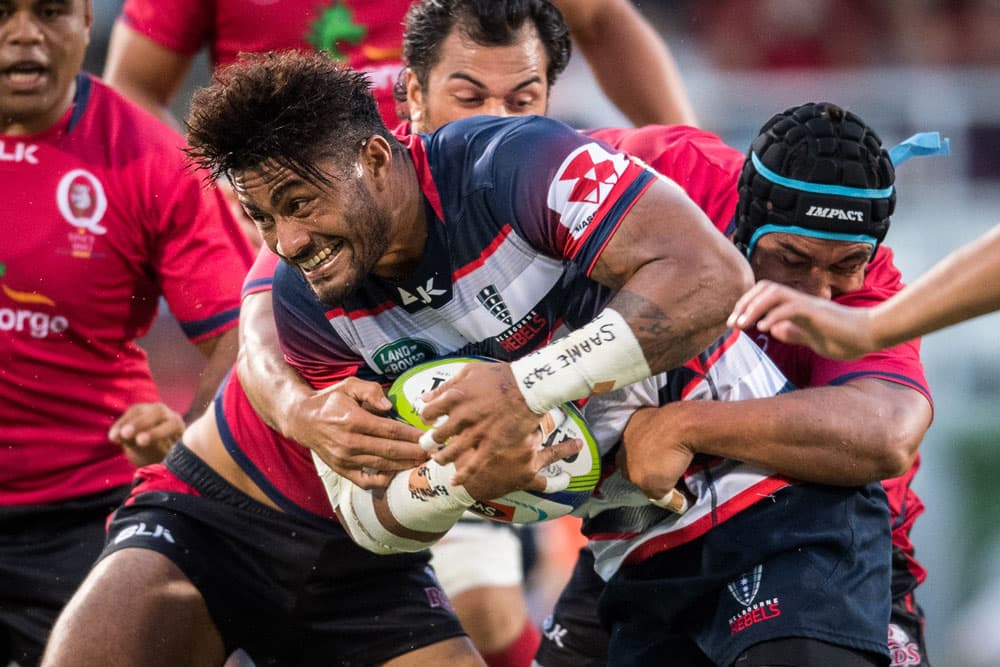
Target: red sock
[{"x": 521, "y": 651}]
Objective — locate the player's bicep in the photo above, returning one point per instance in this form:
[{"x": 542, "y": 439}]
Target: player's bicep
[
  {"x": 142, "y": 69},
  {"x": 663, "y": 227}
]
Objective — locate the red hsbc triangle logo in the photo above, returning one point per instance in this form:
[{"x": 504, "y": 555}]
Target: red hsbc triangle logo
[{"x": 583, "y": 183}]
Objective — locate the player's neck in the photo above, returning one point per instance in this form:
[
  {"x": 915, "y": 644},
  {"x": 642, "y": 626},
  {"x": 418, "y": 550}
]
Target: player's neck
[
  {"x": 17, "y": 123},
  {"x": 409, "y": 219}
]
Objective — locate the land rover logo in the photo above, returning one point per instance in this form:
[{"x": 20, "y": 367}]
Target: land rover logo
[{"x": 401, "y": 355}]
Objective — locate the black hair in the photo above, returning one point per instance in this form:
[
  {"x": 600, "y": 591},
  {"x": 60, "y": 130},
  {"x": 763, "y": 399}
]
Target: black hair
[
  {"x": 289, "y": 108},
  {"x": 485, "y": 22}
]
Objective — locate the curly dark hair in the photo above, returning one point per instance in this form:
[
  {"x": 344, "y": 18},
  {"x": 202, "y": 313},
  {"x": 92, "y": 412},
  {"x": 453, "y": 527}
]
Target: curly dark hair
[
  {"x": 818, "y": 143},
  {"x": 288, "y": 108},
  {"x": 485, "y": 22}
]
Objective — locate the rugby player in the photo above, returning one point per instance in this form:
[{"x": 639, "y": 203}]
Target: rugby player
[
  {"x": 961, "y": 286},
  {"x": 152, "y": 46},
  {"x": 802, "y": 434},
  {"x": 104, "y": 219},
  {"x": 165, "y": 497},
  {"x": 311, "y": 220}
]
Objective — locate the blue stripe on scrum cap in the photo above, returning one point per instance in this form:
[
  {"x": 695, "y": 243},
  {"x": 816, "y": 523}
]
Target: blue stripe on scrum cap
[
  {"x": 819, "y": 188},
  {"x": 804, "y": 231}
]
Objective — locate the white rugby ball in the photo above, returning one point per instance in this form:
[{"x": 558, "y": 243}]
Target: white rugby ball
[{"x": 566, "y": 422}]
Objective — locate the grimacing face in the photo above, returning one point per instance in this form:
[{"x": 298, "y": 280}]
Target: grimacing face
[
  {"x": 821, "y": 267},
  {"x": 42, "y": 43},
  {"x": 334, "y": 234},
  {"x": 470, "y": 79}
]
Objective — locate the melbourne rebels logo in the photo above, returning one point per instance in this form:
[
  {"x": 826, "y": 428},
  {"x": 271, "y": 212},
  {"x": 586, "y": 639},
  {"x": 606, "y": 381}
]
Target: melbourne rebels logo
[
  {"x": 492, "y": 300},
  {"x": 583, "y": 183},
  {"x": 744, "y": 590},
  {"x": 81, "y": 200}
]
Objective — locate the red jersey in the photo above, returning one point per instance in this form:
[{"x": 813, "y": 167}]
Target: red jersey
[
  {"x": 105, "y": 218},
  {"x": 900, "y": 364},
  {"x": 366, "y": 35},
  {"x": 698, "y": 161}
]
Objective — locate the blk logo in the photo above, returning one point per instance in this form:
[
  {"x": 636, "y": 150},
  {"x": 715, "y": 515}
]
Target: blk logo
[{"x": 424, "y": 295}]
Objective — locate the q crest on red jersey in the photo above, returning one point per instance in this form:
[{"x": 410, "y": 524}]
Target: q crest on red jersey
[{"x": 82, "y": 203}]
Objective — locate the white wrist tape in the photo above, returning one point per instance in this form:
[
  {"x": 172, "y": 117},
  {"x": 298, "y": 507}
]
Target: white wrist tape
[
  {"x": 601, "y": 356},
  {"x": 424, "y": 498},
  {"x": 412, "y": 513}
]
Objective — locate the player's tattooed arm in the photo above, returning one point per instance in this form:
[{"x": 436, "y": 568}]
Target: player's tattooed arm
[{"x": 676, "y": 277}]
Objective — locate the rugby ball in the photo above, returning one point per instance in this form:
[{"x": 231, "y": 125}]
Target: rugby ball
[{"x": 565, "y": 422}]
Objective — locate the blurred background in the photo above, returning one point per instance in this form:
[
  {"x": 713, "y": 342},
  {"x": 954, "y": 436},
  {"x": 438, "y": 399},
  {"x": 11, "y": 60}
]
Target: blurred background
[{"x": 904, "y": 66}]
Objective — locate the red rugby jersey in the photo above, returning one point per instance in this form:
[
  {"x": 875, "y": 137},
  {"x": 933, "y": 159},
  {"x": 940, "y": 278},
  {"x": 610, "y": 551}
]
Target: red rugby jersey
[
  {"x": 366, "y": 35},
  {"x": 103, "y": 218},
  {"x": 900, "y": 364}
]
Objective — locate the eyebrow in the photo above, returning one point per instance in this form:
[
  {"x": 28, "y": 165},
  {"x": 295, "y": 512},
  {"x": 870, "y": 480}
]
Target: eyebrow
[
  {"x": 479, "y": 84},
  {"x": 279, "y": 191},
  {"x": 855, "y": 256}
]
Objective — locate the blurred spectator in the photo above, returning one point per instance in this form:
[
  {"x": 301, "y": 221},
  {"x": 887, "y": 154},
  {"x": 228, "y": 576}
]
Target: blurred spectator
[{"x": 789, "y": 33}]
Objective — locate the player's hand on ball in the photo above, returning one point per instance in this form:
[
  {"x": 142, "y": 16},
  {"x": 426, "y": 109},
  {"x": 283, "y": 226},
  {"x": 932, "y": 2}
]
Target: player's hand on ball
[
  {"x": 791, "y": 316},
  {"x": 652, "y": 457},
  {"x": 147, "y": 431},
  {"x": 345, "y": 424},
  {"x": 518, "y": 467},
  {"x": 485, "y": 411}
]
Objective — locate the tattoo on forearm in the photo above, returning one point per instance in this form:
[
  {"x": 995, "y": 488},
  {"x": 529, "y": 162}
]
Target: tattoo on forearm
[{"x": 652, "y": 326}]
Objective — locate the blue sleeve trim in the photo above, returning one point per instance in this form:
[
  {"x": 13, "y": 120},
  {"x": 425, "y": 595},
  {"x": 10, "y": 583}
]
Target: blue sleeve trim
[
  {"x": 261, "y": 480},
  {"x": 199, "y": 328},
  {"x": 251, "y": 285},
  {"x": 80, "y": 100},
  {"x": 899, "y": 377},
  {"x": 587, "y": 255}
]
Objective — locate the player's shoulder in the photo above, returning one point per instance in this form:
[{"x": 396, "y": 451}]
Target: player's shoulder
[
  {"x": 882, "y": 279},
  {"x": 482, "y": 136},
  {"x": 135, "y": 131}
]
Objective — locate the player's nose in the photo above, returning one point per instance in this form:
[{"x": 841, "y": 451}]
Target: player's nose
[
  {"x": 816, "y": 283},
  {"x": 292, "y": 240},
  {"x": 496, "y": 107}
]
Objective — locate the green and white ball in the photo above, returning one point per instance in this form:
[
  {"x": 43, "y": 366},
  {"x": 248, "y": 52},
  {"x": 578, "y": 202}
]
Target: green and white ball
[{"x": 566, "y": 422}]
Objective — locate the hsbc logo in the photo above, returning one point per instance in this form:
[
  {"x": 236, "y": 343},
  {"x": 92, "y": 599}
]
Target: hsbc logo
[
  {"x": 835, "y": 213},
  {"x": 582, "y": 184}
]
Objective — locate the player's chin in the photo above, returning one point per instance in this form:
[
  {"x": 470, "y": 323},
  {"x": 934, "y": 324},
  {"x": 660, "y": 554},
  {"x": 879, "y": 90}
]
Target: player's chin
[{"x": 331, "y": 292}]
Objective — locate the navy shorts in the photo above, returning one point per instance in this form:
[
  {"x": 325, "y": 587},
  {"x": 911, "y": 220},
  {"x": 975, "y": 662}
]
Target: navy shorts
[
  {"x": 809, "y": 562},
  {"x": 286, "y": 589},
  {"x": 45, "y": 552},
  {"x": 572, "y": 635}
]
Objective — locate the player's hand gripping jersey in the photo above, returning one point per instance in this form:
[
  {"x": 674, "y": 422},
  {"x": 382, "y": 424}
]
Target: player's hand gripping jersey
[
  {"x": 623, "y": 526},
  {"x": 899, "y": 365},
  {"x": 97, "y": 236}
]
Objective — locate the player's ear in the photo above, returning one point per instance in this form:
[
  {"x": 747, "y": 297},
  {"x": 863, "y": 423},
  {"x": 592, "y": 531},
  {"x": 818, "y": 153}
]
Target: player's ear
[
  {"x": 414, "y": 98},
  {"x": 376, "y": 159}
]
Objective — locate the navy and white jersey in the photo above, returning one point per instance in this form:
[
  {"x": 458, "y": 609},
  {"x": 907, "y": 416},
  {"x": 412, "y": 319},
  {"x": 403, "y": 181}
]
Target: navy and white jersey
[
  {"x": 624, "y": 528},
  {"x": 518, "y": 213}
]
